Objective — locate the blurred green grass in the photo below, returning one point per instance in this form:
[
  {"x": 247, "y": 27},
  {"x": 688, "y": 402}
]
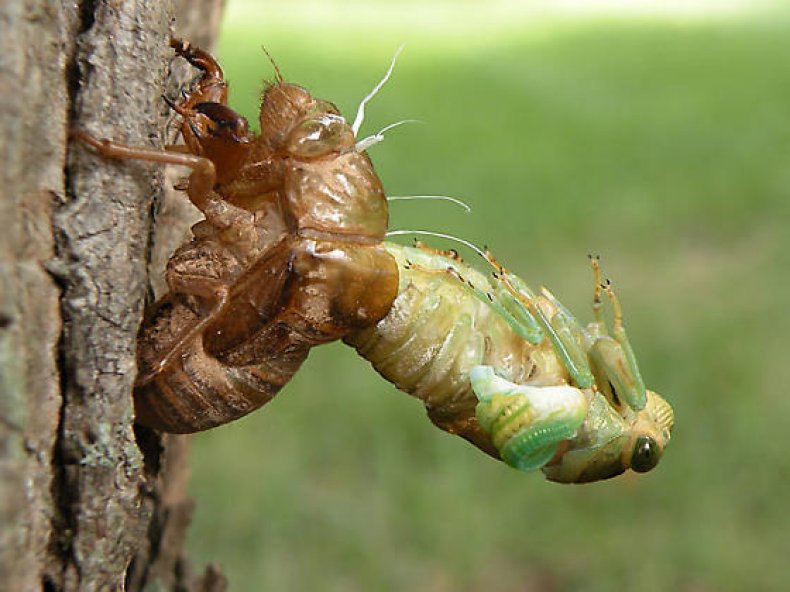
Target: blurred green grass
[{"x": 662, "y": 145}]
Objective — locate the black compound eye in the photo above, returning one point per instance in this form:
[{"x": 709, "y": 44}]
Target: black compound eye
[{"x": 646, "y": 454}]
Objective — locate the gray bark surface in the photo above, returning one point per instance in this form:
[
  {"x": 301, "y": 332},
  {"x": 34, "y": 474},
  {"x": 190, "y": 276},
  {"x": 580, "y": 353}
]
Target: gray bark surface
[{"x": 86, "y": 503}]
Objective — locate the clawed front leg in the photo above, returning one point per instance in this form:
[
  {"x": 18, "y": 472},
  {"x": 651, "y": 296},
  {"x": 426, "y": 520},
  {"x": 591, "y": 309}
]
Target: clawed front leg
[
  {"x": 211, "y": 88},
  {"x": 209, "y": 127},
  {"x": 201, "y": 182}
]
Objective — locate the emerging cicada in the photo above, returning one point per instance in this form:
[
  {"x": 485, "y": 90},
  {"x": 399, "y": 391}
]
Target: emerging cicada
[
  {"x": 291, "y": 255},
  {"x": 514, "y": 373}
]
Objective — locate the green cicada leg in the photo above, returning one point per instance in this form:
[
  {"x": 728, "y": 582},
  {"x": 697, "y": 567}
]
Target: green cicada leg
[
  {"x": 518, "y": 318},
  {"x": 511, "y": 311},
  {"x": 570, "y": 333},
  {"x": 613, "y": 357},
  {"x": 561, "y": 329},
  {"x": 598, "y": 327},
  {"x": 526, "y": 423}
]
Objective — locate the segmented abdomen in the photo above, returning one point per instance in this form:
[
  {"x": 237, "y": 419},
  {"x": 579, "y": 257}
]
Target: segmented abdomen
[
  {"x": 437, "y": 330},
  {"x": 198, "y": 391}
]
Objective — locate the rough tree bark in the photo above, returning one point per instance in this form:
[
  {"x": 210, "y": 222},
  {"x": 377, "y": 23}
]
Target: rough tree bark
[{"x": 86, "y": 503}]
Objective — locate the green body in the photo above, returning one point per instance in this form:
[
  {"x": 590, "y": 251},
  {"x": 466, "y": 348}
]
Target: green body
[{"x": 513, "y": 372}]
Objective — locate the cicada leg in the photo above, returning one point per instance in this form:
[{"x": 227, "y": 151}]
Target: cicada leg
[
  {"x": 188, "y": 274},
  {"x": 526, "y": 423},
  {"x": 201, "y": 182},
  {"x": 637, "y": 396},
  {"x": 211, "y": 87},
  {"x": 613, "y": 358},
  {"x": 561, "y": 328},
  {"x": 519, "y": 318},
  {"x": 209, "y": 127},
  {"x": 175, "y": 351},
  {"x": 595, "y": 264},
  {"x": 204, "y": 276},
  {"x": 515, "y": 315}
]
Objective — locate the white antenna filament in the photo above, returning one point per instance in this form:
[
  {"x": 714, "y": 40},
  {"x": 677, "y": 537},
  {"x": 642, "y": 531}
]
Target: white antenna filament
[
  {"x": 361, "y": 110},
  {"x": 366, "y": 143},
  {"x": 454, "y": 200}
]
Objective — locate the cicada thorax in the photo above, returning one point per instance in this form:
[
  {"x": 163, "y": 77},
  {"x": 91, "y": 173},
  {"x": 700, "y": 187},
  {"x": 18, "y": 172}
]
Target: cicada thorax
[
  {"x": 333, "y": 274},
  {"x": 329, "y": 189},
  {"x": 301, "y": 264}
]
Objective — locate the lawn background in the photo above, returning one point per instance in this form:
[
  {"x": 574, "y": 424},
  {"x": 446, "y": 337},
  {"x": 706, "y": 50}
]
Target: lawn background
[{"x": 658, "y": 139}]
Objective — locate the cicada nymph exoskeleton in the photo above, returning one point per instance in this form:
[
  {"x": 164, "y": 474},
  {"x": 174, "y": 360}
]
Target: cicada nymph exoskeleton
[
  {"x": 513, "y": 372},
  {"x": 289, "y": 255}
]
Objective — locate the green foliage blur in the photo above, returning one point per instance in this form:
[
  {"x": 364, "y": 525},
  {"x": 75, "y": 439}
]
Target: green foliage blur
[{"x": 660, "y": 142}]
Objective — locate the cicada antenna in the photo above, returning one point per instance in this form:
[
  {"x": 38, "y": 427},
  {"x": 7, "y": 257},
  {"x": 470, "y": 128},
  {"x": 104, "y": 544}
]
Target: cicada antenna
[
  {"x": 454, "y": 200},
  {"x": 274, "y": 64},
  {"x": 361, "y": 109},
  {"x": 366, "y": 143}
]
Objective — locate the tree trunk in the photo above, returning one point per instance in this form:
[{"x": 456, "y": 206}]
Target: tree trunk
[{"x": 86, "y": 501}]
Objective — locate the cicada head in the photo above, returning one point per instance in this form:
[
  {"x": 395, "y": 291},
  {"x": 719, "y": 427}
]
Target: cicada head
[
  {"x": 292, "y": 120},
  {"x": 607, "y": 443},
  {"x": 627, "y": 426},
  {"x": 573, "y": 435}
]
